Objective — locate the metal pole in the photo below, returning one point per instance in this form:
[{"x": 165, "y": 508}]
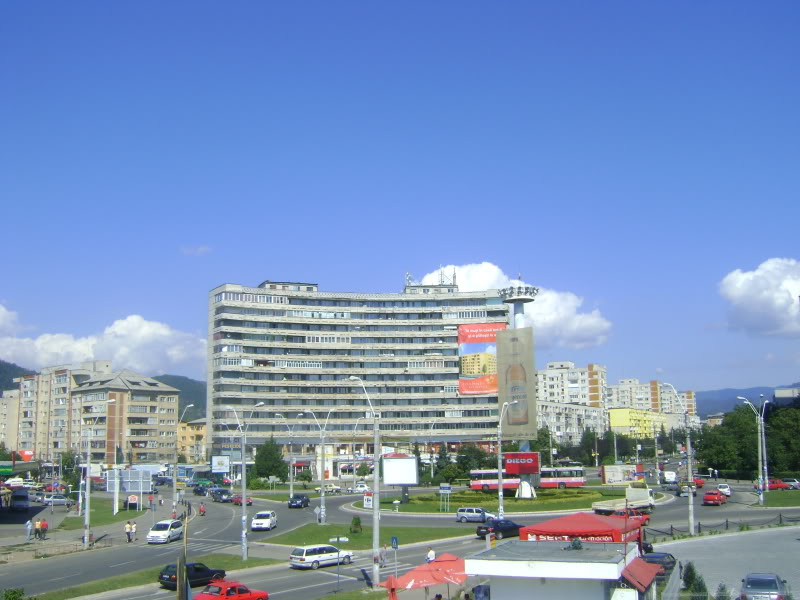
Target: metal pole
[
  {"x": 689, "y": 477},
  {"x": 764, "y": 443},
  {"x": 244, "y": 491},
  {"x": 175, "y": 464},
  {"x": 759, "y": 432},
  {"x": 500, "y": 495}
]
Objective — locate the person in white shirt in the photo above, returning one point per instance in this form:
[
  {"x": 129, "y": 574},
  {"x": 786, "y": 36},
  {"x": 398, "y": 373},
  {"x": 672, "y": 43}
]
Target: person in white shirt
[{"x": 431, "y": 556}]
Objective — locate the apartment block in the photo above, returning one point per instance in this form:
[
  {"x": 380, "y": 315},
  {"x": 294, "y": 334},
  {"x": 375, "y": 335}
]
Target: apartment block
[
  {"x": 9, "y": 418},
  {"x": 636, "y": 423},
  {"x": 565, "y": 383},
  {"x": 192, "y": 441}
]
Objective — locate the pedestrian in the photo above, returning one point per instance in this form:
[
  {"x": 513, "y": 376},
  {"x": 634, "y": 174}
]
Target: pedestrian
[
  {"x": 383, "y": 555},
  {"x": 174, "y": 514},
  {"x": 189, "y": 508},
  {"x": 161, "y": 502},
  {"x": 133, "y": 531},
  {"x": 680, "y": 570},
  {"x": 45, "y": 527},
  {"x": 129, "y": 531},
  {"x": 431, "y": 555},
  {"x": 28, "y": 529},
  {"x": 37, "y": 529}
]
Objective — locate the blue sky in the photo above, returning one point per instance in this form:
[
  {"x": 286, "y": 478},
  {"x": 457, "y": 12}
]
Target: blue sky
[{"x": 638, "y": 162}]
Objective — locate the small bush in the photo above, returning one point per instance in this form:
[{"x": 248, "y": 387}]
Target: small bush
[
  {"x": 699, "y": 590},
  {"x": 355, "y": 525},
  {"x": 689, "y": 575},
  {"x": 722, "y": 593}
]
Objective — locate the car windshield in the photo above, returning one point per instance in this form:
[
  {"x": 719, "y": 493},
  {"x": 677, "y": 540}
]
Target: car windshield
[
  {"x": 262, "y": 516},
  {"x": 160, "y": 526}
]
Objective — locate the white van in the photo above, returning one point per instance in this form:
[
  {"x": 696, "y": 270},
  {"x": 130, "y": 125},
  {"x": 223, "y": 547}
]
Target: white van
[
  {"x": 264, "y": 520},
  {"x": 314, "y": 557}
]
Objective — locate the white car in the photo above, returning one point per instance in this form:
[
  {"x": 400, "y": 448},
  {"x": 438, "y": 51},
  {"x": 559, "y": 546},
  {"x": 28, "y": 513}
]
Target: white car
[
  {"x": 359, "y": 488},
  {"x": 725, "y": 489},
  {"x": 164, "y": 532},
  {"x": 319, "y": 555},
  {"x": 264, "y": 520},
  {"x": 56, "y": 500}
]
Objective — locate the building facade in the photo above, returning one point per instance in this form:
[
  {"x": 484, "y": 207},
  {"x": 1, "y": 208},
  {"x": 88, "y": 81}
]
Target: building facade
[
  {"x": 192, "y": 441},
  {"x": 563, "y": 382},
  {"x": 289, "y": 359},
  {"x": 9, "y": 418}
]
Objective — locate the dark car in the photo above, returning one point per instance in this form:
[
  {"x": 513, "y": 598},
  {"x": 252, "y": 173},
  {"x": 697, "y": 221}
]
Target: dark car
[
  {"x": 298, "y": 501},
  {"x": 220, "y": 495},
  {"x": 199, "y": 490},
  {"x": 162, "y": 480},
  {"x": 665, "y": 559},
  {"x": 764, "y": 586},
  {"x": 197, "y": 573},
  {"x": 502, "y": 528}
]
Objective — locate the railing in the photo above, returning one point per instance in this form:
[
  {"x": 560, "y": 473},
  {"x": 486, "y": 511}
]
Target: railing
[{"x": 726, "y": 525}]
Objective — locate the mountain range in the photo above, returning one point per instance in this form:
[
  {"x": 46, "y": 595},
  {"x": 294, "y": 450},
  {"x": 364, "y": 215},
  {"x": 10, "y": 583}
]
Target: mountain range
[{"x": 194, "y": 392}]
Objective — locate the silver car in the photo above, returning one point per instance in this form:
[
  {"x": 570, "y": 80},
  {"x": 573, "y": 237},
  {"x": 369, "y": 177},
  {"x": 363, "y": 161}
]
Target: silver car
[{"x": 764, "y": 586}]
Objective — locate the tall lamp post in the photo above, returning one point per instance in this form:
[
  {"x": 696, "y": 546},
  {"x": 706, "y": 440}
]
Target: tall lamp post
[
  {"x": 175, "y": 466},
  {"x": 322, "y": 432},
  {"x": 355, "y": 427},
  {"x": 689, "y": 477},
  {"x": 291, "y": 458},
  {"x": 763, "y": 484},
  {"x": 430, "y": 443},
  {"x": 243, "y": 430},
  {"x": 87, "y": 482},
  {"x": 376, "y": 483},
  {"x": 500, "y": 496}
]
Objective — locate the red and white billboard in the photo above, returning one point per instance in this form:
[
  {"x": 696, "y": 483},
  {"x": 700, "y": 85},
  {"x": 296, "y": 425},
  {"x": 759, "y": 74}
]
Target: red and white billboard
[
  {"x": 522, "y": 463},
  {"x": 478, "y": 357},
  {"x": 478, "y": 333}
]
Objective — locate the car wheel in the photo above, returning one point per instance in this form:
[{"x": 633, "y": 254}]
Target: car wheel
[
  {"x": 315, "y": 564},
  {"x": 498, "y": 535},
  {"x": 485, "y": 488},
  {"x": 462, "y": 520},
  {"x": 346, "y": 560},
  {"x": 561, "y": 486}
]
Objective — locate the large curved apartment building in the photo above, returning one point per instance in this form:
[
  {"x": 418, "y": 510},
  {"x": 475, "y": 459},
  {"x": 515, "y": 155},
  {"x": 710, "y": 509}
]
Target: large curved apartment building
[{"x": 281, "y": 356}]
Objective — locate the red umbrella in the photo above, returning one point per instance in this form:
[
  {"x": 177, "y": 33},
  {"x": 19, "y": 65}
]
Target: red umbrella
[{"x": 447, "y": 568}]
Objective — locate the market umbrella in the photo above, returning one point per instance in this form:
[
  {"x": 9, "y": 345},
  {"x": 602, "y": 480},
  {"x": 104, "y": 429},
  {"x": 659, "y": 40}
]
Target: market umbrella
[{"x": 447, "y": 568}]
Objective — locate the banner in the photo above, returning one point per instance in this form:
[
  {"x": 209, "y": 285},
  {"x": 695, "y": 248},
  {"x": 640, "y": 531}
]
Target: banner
[
  {"x": 517, "y": 382},
  {"x": 220, "y": 464},
  {"x": 521, "y": 463},
  {"x": 478, "y": 358}
]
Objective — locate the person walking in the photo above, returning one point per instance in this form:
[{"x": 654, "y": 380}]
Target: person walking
[
  {"x": 133, "y": 531},
  {"x": 37, "y": 529},
  {"x": 28, "y": 529},
  {"x": 45, "y": 525},
  {"x": 383, "y": 555},
  {"x": 431, "y": 555},
  {"x": 129, "y": 531}
]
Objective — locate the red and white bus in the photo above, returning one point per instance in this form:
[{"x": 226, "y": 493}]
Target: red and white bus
[{"x": 550, "y": 477}]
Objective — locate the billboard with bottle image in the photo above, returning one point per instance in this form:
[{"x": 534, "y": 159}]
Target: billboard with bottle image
[
  {"x": 478, "y": 358},
  {"x": 517, "y": 382}
]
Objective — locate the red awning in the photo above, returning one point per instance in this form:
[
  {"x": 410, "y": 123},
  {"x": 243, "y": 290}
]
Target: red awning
[
  {"x": 640, "y": 574},
  {"x": 588, "y": 527}
]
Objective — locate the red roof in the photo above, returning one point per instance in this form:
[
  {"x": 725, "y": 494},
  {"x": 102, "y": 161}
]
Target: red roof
[
  {"x": 640, "y": 574},
  {"x": 586, "y": 526}
]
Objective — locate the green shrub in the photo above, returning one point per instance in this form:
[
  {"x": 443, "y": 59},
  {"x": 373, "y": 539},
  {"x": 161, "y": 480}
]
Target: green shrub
[
  {"x": 698, "y": 589},
  {"x": 689, "y": 575},
  {"x": 722, "y": 593}
]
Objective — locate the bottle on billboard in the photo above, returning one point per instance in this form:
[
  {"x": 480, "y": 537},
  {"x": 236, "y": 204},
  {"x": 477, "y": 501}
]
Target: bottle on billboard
[{"x": 517, "y": 386}]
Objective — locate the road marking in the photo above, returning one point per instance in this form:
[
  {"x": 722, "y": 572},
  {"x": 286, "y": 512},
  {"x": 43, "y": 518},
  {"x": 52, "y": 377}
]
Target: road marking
[
  {"x": 120, "y": 564},
  {"x": 306, "y": 587}
]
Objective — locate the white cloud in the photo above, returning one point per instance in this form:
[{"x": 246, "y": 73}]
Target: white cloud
[
  {"x": 8, "y": 321},
  {"x": 765, "y": 301},
  {"x": 195, "y": 250},
  {"x": 554, "y": 315},
  {"x": 147, "y": 347}
]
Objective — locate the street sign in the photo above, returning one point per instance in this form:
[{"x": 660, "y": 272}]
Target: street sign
[
  {"x": 395, "y": 542},
  {"x": 339, "y": 538},
  {"x": 445, "y": 488},
  {"x": 367, "y": 499}
]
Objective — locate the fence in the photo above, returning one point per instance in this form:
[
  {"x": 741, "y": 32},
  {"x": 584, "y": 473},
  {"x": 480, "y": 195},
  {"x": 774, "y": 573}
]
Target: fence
[{"x": 725, "y": 525}]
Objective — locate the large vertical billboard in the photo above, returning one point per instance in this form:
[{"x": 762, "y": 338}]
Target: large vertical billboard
[
  {"x": 477, "y": 351},
  {"x": 516, "y": 373}
]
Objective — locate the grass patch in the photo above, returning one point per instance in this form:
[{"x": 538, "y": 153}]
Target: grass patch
[
  {"x": 321, "y": 534},
  {"x": 229, "y": 562},
  {"x": 777, "y": 499},
  {"x": 546, "y": 500},
  {"x": 101, "y": 514}
]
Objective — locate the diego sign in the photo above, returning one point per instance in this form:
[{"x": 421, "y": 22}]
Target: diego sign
[{"x": 522, "y": 463}]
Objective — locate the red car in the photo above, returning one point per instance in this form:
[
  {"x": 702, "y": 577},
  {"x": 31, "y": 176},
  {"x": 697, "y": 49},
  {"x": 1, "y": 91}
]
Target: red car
[
  {"x": 222, "y": 588},
  {"x": 237, "y": 500},
  {"x": 714, "y": 497},
  {"x": 633, "y": 514},
  {"x": 699, "y": 482},
  {"x": 774, "y": 484},
  {"x": 54, "y": 487}
]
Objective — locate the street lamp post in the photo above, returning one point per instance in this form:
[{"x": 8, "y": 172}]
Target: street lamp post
[
  {"x": 354, "y": 451},
  {"x": 244, "y": 473},
  {"x": 376, "y": 483},
  {"x": 291, "y": 458},
  {"x": 763, "y": 482},
  {"x": 87, "y": 481},
  {"x": 500, "y": 496},
  {"x": 175, "y": 466},
  {"x": 689, "y": 477},
  {"x": 430, "y": 444},
  {"x": 322, "y": 432}
]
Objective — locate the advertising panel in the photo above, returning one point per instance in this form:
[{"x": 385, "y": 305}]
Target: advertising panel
[
  {"x": 522, "y": 463},
  {"x": 517, "y": 381},
  {"x": 220, "y": 464},
  {"x": 478, "y": 358},
  {"x": 400, "y": 471}
]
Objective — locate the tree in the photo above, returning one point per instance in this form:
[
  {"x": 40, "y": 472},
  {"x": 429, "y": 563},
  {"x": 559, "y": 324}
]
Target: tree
[
  {"x": 722, "y": 593},
  {"x": 70, "y": 469},
  {"x": 4, "y": 453},
  {"x": 181, "y": 459},
  {"x": 450, "y": 473},
  {"x": 363, "y": 470},
  {"x": 442, "y": 459},
  {"x": 269, "y": 461},
  {"x": 304, "y": 477},
  {"x": 689, "y": 575},
  {"x": 699, "y": 590},
  {"x": 472, "y": 457}
]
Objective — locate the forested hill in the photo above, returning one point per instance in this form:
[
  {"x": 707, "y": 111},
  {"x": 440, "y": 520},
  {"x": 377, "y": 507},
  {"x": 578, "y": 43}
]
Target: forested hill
[
  {"x": 722, "y": 401},
  {"x": 192, "y": 392},
  {"x": 8, "y": 371}
]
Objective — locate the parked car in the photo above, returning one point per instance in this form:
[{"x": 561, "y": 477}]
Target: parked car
[
  {"x": 197, "y": 573},
  {"x": 200, "y": 490},
  {"x": 632, "y": 514},
  {"x": 221, "y": 495},
  {"x": 792, "y": 483},
  {"x": 319, "y": 555},
  {"x": 724, "y": 488},
  {"x": 264, "y": 520},
  {"x": 165, "y": 531},
  {"x": 764, "y": 586},
  {"x": 714, "y": 497},
  {"x": 664, "y": 559},
  {"x": 230, "y": 590},
  {"x": 774, "y": 484},
  {"x": 474, "y": 514},
  {"x": 298, "y": 501},
  {"x": 55, "y": 487},
  {"x": 57, "y": 500},
  {"x": 330, "y": 488},
  {"x": 237, "y": 500},
  {"x": 502, "y": 528}
]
